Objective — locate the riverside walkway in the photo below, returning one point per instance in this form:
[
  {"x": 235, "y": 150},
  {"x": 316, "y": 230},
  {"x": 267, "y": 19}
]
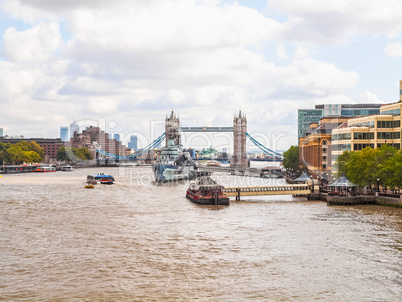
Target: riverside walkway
[{"x": 297, "y": 190}]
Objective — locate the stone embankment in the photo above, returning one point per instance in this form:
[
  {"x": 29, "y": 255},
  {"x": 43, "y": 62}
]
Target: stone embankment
[{"x": 357, "y": 200}]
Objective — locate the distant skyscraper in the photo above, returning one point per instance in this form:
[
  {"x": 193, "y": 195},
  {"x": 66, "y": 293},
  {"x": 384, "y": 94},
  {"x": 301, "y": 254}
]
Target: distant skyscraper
[
  {"x": 74, "y": 128},
  {"x": 132, "y": 144},
  {"x": 64, "y": 134},
  {"x": 116, "y": 136},
  {"x": 1, "y": 132}
]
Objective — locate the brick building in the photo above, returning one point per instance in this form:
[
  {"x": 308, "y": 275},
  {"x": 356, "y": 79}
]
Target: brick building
[{"x": 94, "y": 137}]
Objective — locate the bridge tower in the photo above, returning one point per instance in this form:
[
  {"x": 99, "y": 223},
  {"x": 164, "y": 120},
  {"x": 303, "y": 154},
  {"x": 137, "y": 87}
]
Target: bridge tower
[
  {"x": 239, "y": 157},
  {"x": 172, "y": 128}
]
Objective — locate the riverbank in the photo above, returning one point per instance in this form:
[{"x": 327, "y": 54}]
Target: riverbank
[{"x": 357, "y": 200}]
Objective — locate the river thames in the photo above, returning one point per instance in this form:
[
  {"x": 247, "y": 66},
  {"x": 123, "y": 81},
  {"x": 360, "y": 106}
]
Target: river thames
[{"x": 141, "y": 241}]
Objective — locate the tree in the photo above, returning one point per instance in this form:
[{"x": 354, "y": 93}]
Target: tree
[
  {"x": 22, "y": 152},
  {"x": 291, "y": 158},
  {"x": 73, "y": 154},
  {"x": 342, "y": 162}
]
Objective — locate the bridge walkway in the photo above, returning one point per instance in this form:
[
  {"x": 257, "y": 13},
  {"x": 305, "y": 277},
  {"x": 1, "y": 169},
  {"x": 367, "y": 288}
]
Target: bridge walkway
[{"x": 298, "y": 189}]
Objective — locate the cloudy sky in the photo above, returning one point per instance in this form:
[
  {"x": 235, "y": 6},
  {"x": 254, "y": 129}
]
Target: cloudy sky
[{"x": 130, "y": 62}]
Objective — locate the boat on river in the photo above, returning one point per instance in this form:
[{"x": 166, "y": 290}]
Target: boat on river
[
  {"x": 172, "y": 164},
  {"x": 67, "y": 168},
  {"x": 206, "y": 191},
  {"x": 100, "y": 178},
  {"x": 45, "y": 168}
]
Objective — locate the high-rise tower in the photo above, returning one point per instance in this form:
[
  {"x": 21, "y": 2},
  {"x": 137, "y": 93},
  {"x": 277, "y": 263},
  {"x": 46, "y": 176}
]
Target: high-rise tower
[
  {"x": 172, "y": 128},
  {"x": 239, "y": 157}
]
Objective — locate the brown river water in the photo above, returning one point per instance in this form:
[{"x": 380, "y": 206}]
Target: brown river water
[{"x": 141, "y": 241}]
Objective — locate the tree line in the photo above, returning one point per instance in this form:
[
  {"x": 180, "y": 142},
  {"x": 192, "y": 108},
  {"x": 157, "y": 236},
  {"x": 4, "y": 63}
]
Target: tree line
[
  {"x": 72, "y": 154},
  {"x": 22, "y": 152},
  {"x": 369, "y": 167},
  {"x": 31, "y": 152}
]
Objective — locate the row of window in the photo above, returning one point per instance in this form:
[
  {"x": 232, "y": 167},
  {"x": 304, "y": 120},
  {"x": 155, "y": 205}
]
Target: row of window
[
  {"x": 392, "y": 112},
  {"x": 388, "y": 135},
  {"x": 362, "y": 146},
  {"x": 369, "y": 124},
  {"x": 388, "y": 124},
  {"x": 364, "y": 135},
  {"x": 340, "y": 136},
  {"x": 341, "y": 147},
  {"x": 397, "y": 146}
]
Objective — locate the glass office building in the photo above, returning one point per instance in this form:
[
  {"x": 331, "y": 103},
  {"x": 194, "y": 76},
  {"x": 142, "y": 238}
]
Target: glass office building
[
  {"x": 74, "y": 128},
  {"x": 64, "y": 134},
  {"x": 308, "y": 116},
  {"x": 133, "y": 143}
]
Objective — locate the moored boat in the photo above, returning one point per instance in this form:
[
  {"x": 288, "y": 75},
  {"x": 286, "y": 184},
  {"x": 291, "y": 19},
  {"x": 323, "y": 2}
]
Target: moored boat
[
  {"x": 173, "y": 164},
  {"x": 100, "y": 178},
  {"x": 45, "y": 168},
  {"x": 67, "y": 168},
  {"x": 206, "y": 191}
]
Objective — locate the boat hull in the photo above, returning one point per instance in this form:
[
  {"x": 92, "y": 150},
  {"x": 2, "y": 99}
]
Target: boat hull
[{"x": 208, "y": 200}]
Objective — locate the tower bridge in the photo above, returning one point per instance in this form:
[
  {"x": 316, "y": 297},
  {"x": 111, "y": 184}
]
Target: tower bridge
[{"x": 173, "y": 132}]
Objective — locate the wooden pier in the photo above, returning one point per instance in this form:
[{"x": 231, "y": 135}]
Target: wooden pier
[{"x": 296, "y": 190}]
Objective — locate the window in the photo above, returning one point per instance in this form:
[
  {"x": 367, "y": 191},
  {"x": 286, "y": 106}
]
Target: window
[{"x": 363, "y": 135}]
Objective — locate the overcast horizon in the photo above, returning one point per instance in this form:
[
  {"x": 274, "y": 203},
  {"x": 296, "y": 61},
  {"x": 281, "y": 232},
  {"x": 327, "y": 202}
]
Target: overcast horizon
[{"x": 129, "y": 63}]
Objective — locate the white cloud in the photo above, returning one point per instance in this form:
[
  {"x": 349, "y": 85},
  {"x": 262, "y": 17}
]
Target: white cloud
[
  {"x": 133, "y": 61},
  {"x": 393, "y": 49},
  {"x": 32, "y": 45},
  {"x": 332, "y": 22},
  {"x": 368, "y": 97},
  {"x": 281, "y": 51}
]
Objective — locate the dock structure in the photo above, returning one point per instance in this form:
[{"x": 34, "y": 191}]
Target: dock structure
[{"x": 296, "y": 190}]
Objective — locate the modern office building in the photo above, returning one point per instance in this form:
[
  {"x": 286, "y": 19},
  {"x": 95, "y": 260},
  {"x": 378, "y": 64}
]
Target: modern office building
[
  {"x": 307, "y": 116},
  {"x": 64, "y": 134},
  {"x": 116, "y": 136},
  {"x": 1, "y": 132},
  {"x": 74, "y": 128},
  {"x": 369, "y": 131},
  {"x": 133, "y": 143}
]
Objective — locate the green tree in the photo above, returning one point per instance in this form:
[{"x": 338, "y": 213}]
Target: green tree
[
  {"x": 342, "y": 162},
  {"x": 22, "y": 152},
  {"x": 84, "y": 154},
  {"x": 34, "y": 146},
  {"x": 291, "y": 158},
  {"x": 361, "y": 168}
]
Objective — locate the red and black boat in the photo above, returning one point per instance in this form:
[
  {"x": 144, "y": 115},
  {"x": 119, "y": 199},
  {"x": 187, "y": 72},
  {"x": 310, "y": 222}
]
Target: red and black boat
[{"x": 207, "y": 192}]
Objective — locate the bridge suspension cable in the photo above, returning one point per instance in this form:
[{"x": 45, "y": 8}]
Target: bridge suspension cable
[
  {"x": 263, "y": 148},
  {"x": 151, "y": 146}
]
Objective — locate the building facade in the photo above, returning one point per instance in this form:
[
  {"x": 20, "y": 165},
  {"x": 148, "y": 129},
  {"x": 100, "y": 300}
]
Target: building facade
[
  {"x": 94, "y": 137},
  {"x": 369, "y": 131},
  {"x": 239, "y": 157},
  {"x": 307, "y": 116},
  {"x": 315, "y": 148},
  {"x": 1, "y": 132}
]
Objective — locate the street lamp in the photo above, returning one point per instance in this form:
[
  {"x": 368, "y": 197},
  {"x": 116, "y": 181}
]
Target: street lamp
[{"x": 378, "y": 185}]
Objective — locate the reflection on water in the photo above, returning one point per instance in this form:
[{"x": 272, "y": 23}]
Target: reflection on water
[{"x": 138, "y": 240}]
